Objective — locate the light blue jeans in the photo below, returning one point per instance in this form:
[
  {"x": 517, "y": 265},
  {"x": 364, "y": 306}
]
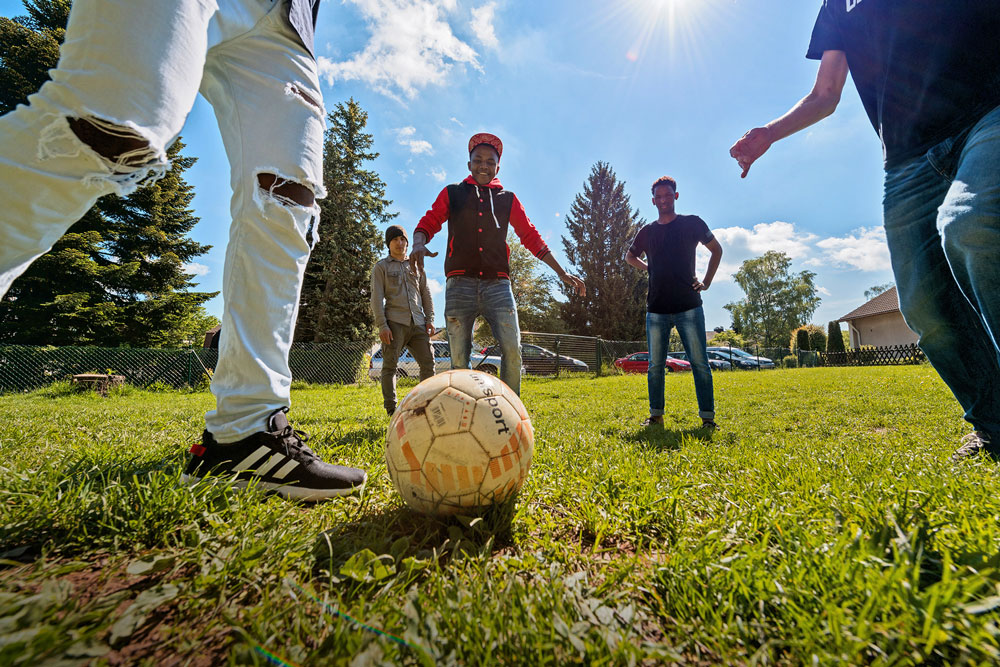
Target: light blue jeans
[
  {"x": 465, "y": 299},
  {"x": 691, "y": 328},
  {"x": 138, "y": 65},
  {"x": 942, "y": 224}
]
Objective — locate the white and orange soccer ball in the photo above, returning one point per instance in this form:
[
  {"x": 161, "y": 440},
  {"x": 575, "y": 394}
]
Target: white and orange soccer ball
[{"x": 459, "y": 441}]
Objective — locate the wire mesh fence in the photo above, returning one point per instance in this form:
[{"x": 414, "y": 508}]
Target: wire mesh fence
[{"x": 24, "y": 368}]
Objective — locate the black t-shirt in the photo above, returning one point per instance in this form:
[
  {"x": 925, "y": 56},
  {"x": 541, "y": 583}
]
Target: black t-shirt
[
  {"x": 670, "y": 253},
  {"x": 925, "y": 69}
]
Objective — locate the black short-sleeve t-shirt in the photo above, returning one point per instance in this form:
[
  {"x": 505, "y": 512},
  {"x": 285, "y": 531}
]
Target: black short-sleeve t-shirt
[
  {"x": 925, "y": 69},
  {"x": 670, "y": 253}
]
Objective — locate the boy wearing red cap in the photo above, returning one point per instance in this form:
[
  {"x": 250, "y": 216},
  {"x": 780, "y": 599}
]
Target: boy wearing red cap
[{"x": 478, "y": 212}]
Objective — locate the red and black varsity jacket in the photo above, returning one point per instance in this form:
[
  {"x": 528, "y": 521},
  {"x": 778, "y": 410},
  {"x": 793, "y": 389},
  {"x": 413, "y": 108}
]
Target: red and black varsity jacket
[{"x": 478, "y": 217}]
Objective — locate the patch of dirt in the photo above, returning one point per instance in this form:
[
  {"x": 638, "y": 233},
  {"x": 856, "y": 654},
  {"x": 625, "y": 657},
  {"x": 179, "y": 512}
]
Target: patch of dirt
[{"x": 106, "y": 576}]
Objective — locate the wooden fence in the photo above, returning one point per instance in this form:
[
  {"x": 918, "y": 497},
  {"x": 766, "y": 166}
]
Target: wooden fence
[{"x": 876, "y": 356}]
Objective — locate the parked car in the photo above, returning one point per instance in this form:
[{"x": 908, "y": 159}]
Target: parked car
[
  {"x": 741, "y": 359},
  {"x": 407, "y": 366},
  {"x": 539, "y": 361},
  {"x": 716, "y": 363},
  {"x": 638, "y": 362}
]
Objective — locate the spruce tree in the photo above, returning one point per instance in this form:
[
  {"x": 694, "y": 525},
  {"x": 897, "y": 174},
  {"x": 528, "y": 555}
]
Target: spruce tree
[
  {"x": 600, "y": 226},
  {"x": 116, "y": 277},
  {"x": 336, "y": 294},
  {"x": 29, "y": 48}
]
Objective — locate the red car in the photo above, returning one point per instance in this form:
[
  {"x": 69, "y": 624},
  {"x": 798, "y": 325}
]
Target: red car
[{"x": 639, "y": 363}]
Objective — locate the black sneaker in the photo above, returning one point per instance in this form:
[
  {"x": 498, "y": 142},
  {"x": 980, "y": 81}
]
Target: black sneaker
[
  {"x": 710, "y": 425},
  {"x": 973, "y": 444},
  {"x": 653, "y": 420},
  {"x": 279, "y": 459}
]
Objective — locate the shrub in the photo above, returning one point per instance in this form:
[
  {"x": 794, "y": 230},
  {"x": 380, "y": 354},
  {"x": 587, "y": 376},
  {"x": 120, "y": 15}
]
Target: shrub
[
  {"x": 801, "y": 341},
  {"x": 834, "y": 338},
  {"x": 817, "y": 338},
  {"x": 790, "y": 362}
]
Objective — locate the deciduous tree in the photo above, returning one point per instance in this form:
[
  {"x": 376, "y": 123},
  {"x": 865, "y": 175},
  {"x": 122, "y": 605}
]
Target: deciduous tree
[{"x": 776, "y": 300}]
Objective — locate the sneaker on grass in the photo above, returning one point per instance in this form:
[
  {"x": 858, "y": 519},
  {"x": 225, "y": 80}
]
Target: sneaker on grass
[
  {"x": 653, "y": 420},
  {"x": 973, "y": 444},
  {"x": 278, "y": 459}
]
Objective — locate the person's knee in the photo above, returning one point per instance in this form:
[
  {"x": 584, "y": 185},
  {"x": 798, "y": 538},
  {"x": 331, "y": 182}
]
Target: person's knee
[
  {"x": 286, "y": 191},
  {"x": 119, "y": 145}
]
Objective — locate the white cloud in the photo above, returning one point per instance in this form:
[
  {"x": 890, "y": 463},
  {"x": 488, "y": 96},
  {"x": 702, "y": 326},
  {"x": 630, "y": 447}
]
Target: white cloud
[
  {"x": 456, "y": 121},
  {"x": 435, "y": 286},
  {"x": 780, "y": 236},
  {"x": 412, "y": 45},
  {"x": 196, "y": 269},
  {"x": 482, "y": 25},
  {"x": 824, "y": 291},
  {"x": 406, "y": 137},
  {"x": 439, "y": 175},
  {"x": 864, "y": 249}
]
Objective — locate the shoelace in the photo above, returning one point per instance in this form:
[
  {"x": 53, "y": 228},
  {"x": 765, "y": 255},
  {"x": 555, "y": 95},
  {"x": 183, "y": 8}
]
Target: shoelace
[{"x": 295, "y": 447}]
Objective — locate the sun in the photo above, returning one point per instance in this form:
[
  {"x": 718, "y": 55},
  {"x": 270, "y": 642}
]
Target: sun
[{"x": 676, "y": 22}]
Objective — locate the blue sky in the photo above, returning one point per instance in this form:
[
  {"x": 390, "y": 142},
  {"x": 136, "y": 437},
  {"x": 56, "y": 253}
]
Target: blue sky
[{"x": 651, "y": 86}]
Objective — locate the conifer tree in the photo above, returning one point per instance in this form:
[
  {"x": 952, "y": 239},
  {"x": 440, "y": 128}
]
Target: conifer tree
[
  {"x": 336, "y": 295},
  {"x": 117, "y": 276},
  {"x": 600, "y": 226},
  {"x": 834, "y": 338}
]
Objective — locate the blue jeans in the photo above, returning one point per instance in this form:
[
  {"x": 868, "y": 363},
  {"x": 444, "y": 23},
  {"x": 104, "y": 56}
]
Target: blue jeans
[
  {"x": 464, "y": 299},
  {"x": 691, "y": 327},
  {"x": 942, "y": 224}
]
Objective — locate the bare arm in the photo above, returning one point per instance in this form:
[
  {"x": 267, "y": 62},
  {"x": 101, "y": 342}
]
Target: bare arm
[
  {"x": 636, "y": 262},
  {"x": 713, "y": 265},
  {"x": 578, "y": 285},
  {"x": 821, "y": 101}
]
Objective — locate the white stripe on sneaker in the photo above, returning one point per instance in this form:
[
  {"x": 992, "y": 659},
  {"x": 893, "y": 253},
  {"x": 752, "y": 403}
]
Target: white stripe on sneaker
[
  {"x": 270, "y": 463},
  {"x": 252, "y": 459},
  {"x": 285, "y": 469}
]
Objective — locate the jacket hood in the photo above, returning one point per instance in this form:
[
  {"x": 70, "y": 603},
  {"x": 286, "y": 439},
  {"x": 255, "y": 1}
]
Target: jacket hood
[{"x": 494, "y": 184}]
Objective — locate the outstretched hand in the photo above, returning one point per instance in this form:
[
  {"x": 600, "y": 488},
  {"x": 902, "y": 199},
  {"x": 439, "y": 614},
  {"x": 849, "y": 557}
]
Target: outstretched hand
[
  {"x": 750, "y": 147},
  {"x": 417, "y": 258},
  {"x": 578, "y": 286}
]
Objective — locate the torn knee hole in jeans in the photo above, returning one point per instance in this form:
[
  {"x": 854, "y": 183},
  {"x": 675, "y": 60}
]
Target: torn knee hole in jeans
[
  {"x": 297, "y": 90},
  {"x": 285, "y": 191},
  {"x": 128, "y": 158}
]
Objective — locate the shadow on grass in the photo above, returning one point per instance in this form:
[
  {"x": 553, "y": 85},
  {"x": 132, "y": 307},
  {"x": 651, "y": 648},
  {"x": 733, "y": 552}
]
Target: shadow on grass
[
  {"x": 660, "y": 438},
  {"x": 399, "y": 533}
]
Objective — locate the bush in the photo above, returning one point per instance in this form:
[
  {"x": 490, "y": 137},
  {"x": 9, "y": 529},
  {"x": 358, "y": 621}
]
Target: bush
[
  {"x": 817, "y": 338},
  {"x": 834, "y": 338},
  {"x": 791, "y": 361},
  {"x": 801, "y": 341}
]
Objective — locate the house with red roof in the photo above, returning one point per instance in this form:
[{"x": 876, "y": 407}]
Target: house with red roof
[{"x": 879, "y": 323}]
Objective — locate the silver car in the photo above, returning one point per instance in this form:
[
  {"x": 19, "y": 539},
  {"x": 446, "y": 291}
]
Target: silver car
[{"x": 407, "y": 366}]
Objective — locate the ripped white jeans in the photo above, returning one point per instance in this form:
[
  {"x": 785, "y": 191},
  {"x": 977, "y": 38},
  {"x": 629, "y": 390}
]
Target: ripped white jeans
[{"x": 134, "y": 67}]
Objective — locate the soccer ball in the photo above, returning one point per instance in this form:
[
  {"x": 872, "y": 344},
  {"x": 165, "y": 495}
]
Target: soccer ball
[{"x": 459, "y": 441}]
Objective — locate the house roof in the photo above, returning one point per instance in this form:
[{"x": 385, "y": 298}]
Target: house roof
[{"x": 886, "y": 302}]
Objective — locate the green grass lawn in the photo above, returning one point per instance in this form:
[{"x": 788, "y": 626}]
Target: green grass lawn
[{"x": 823, "y": 524}]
